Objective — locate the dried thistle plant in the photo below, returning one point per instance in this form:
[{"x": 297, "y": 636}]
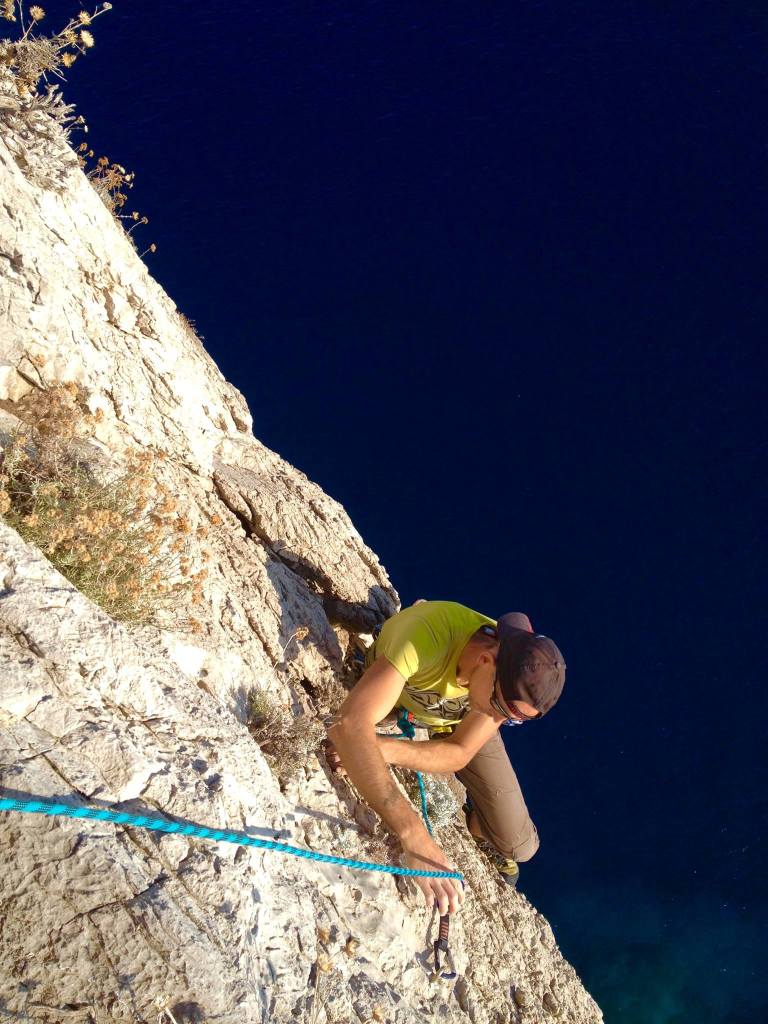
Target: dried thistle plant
[
  {"x": 39, "y": 120},
  {"x": 163, "y": 1003},
  {"x": 33, "y": 56},
  {"x": 119, "y": 537},
  {"x": 24, "y": 62},
  {"x": 287, "y": 741},
  {"x": 325, "y": 964},
  {"x": 111, "y": 182},
  {"x": 108, "y": 179}
]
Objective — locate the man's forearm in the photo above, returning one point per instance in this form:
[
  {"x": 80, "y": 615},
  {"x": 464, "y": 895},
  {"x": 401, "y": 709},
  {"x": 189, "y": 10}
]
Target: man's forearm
[
  {"x": 426, "y": 756},
  {"x": 366, "y": 767}
]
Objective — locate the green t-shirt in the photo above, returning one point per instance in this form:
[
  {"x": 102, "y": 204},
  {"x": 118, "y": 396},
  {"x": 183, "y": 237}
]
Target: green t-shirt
[{"x": 424, "y": 643}]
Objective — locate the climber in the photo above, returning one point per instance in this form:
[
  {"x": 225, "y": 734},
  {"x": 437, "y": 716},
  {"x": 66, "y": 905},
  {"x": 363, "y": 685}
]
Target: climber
[{"x": 461, "y": 675}]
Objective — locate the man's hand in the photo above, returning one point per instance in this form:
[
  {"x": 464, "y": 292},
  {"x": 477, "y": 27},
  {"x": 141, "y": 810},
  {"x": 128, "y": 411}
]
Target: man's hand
[
  {"x": 333, "y": 759},
  {"x": 423, "y": 854}
]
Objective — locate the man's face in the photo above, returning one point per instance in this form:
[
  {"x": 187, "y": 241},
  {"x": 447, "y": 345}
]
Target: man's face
[
  {"x": 485, "y": 695},
  {"x": 519, "y": 710}
]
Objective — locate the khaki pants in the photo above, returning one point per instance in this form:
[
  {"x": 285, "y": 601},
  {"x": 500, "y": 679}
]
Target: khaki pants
[{"x": 497, "y": 799}]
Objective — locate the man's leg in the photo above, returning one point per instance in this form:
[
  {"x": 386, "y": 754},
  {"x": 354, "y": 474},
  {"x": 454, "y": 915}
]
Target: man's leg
[{"x": 499, "y": 814}]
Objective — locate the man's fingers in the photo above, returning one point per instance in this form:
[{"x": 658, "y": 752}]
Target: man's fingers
[
  {"x": 434, "y": 893},
  {"x": 448, "y": 899},
  {"x": 454, "y": 897},
  {"x": 443, "y": 903},
  {"x": 457, "y": 897},
  {"x": 333, "y": 760},
  {"x": 442, "y": 894}
]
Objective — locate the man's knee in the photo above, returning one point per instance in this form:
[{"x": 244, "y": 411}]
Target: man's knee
[
  {"x": 527, "y": 846},
  {"x": 520, "y": 847},
  {"x": 505, "y": 832}
]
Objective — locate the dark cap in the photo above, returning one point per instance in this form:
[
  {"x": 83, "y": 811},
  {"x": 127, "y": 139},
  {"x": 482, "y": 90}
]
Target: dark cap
[{"x": 530, "y": 666}]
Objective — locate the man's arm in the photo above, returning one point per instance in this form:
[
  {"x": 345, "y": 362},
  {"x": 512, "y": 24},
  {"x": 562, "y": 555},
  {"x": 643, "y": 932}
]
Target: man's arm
[
  {"x": 354, "y": 736},
  {"x": 448, "y": 755}
]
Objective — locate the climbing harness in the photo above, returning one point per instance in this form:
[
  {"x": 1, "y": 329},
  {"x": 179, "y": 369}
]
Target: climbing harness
[
  {"x": 440, "y": 945},
  {"x": 408, "y": 732},
  {"x": 41, "y": 805}
]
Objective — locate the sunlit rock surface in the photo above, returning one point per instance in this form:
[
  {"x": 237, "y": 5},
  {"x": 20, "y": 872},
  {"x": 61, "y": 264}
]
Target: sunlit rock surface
[{"x": 113, "y": 924}]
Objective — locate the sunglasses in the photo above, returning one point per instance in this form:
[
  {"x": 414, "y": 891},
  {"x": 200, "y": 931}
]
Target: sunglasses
[{"x": 519, "y": 718}]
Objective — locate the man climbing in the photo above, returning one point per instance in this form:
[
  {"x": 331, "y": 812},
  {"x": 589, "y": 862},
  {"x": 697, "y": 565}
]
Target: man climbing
[{"x": 462, "y": 675}]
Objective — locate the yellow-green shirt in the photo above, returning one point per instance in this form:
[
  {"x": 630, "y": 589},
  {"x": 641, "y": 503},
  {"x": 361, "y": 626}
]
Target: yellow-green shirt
[{"x": 424, "y": 643}]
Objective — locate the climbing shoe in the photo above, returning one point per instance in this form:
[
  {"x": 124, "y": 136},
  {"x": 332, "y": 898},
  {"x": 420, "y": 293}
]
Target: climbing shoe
[{"x": 506, "y": 867}]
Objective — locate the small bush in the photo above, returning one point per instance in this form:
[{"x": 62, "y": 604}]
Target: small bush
[
  {"x": 287, "y": 742},
  {"x": 117, "y": 536},
  {"x": 108, "y": 181},
  {"x": 264, "y": 713},
  {"x": 442, "y": 805}
]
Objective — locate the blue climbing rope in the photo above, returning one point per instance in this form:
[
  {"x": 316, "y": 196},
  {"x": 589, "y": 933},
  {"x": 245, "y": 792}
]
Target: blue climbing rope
[
  {"x": 188, "y": 828},
  {"x": 408, "y": 730},
  {"x": 423, "y": 795}
]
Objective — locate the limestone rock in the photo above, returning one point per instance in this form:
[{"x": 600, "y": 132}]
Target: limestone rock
[{"x": 104, "y": 923}]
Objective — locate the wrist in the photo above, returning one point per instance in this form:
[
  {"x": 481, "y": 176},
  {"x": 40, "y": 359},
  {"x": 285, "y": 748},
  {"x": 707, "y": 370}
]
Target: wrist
[{"x": 412, "y": 833}]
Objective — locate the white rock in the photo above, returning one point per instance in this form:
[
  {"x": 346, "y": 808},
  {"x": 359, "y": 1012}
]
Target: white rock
[
  {"x": 105, "y": 923},
  {"x": 12, "y": 384}
]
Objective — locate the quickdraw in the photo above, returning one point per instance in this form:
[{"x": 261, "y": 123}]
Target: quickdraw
[{"x": 440, "y": 945}]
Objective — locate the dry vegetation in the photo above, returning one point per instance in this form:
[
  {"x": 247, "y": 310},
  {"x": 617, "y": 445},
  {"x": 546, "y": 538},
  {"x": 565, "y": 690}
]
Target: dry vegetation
[
  {"x": 32, "y": 56},
  {"x": 28, "y": 61},
  {"x": 287, "y": 741},
  {"x": 442, "y": 805},
  {"x": 117, "y": 535}
]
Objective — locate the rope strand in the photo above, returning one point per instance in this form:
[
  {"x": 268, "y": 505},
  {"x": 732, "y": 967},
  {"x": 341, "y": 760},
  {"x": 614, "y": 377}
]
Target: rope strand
[
  {"x": 40, "y": 805},
  {"x": 408, "y": 731}
]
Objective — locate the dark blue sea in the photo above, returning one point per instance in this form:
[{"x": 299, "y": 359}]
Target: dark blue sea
[{"x": 494, "y": 276}]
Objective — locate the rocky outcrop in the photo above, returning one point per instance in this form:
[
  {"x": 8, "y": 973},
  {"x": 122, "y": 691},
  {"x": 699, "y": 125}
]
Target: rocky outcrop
[{"x": 102, "y": 923}]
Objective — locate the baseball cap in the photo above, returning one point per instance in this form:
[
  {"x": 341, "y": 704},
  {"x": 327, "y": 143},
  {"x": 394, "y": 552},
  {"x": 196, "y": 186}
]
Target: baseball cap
[{"x": 529, "y": 665}]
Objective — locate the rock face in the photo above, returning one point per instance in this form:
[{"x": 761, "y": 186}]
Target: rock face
[{"x": 103, "y": 923}]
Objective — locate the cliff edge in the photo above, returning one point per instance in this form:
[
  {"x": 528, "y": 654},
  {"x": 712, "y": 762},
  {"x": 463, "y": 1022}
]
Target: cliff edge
[{"x": 208, "y": 706}]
